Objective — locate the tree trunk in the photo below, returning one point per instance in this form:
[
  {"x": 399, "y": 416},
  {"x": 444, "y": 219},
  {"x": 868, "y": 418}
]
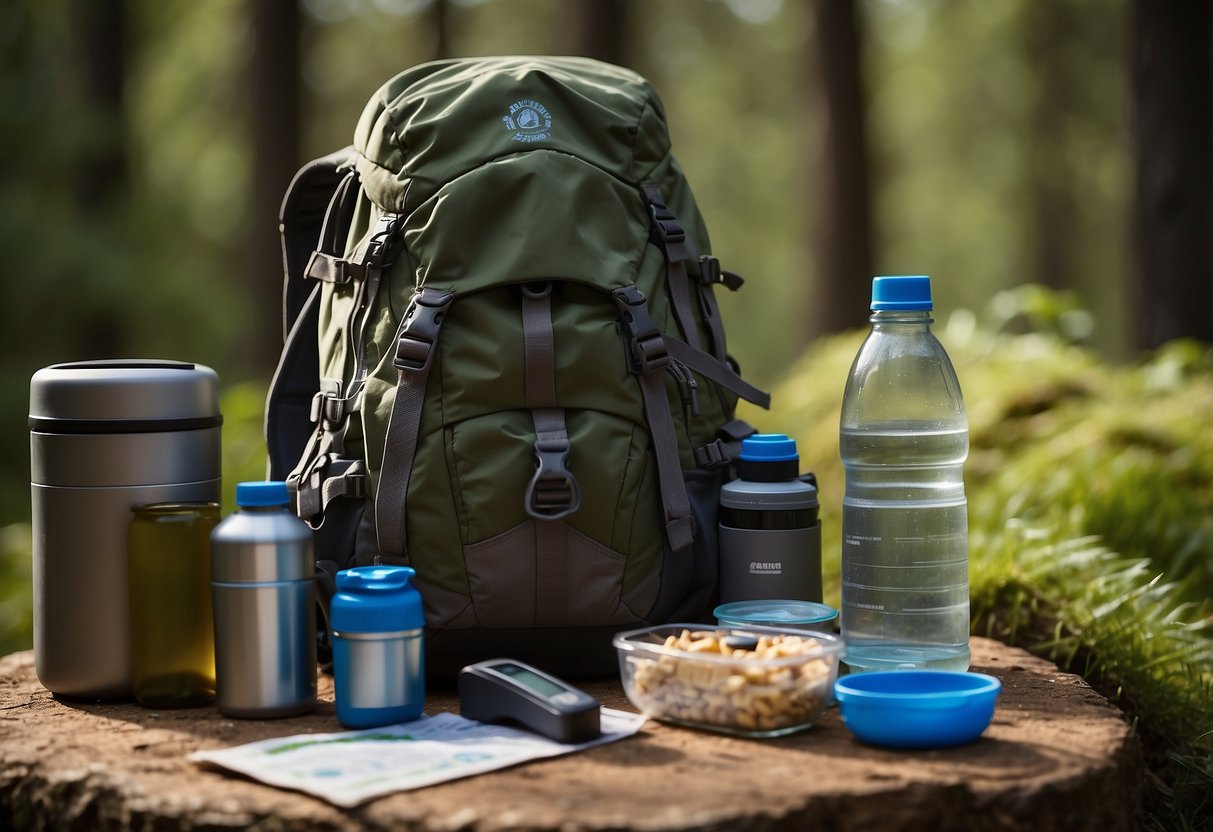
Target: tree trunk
[
  {"x": 100, "y": 177},
  {"x": 597, "y": 29},
  {"x": 1050, "y": 26},
  {"x": 438, "y": 21},
  {"x": 1173, "y": 127},
  {"x": 275, "y": 137},
  {"x": 842, "y": 245}
]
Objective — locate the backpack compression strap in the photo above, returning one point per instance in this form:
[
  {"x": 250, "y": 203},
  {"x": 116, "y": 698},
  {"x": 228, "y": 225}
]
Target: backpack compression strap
[
  {"x": 684, "y": 266},
  {"x": 415, "y": 345},
  {"x": 648, "y": 359}
]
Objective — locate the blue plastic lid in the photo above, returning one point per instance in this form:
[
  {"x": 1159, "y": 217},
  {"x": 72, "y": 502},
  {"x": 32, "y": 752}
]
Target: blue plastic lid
[
  {"x": 902, "y": 292},
  {"x": 775, "y": 613},
  {"x": 271, "y": 493},
  {"x": 769, "y": 447},
  {"x": 376, "y": 599}
]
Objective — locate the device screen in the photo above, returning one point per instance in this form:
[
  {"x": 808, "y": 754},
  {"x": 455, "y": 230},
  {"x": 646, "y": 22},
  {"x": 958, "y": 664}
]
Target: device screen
[{"x": 530, "y": 679}]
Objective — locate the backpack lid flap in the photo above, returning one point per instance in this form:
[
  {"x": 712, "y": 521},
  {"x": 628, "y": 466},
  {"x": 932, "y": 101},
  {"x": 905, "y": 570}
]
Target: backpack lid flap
[
  {"x": 606, "y": 115},
  {"x": 537, "y": 201}
]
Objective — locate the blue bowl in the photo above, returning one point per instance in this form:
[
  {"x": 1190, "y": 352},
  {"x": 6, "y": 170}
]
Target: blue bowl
[{"x": 916, "y": 708}]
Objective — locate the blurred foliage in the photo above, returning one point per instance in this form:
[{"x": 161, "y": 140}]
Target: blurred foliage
[{"x": 1090, "y": 511}]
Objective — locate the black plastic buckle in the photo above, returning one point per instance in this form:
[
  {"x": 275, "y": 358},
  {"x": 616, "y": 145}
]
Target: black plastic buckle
[
  {"x": 710, "y": 274},
  {"x": 329, "y": 268},
  {"x": 327, "y": 409},
  {"x": 712, "y": 455},
  {"x": 647, "y": 351},
  {"x": 553, "y": 492},
  {"x": 381, "y": 251},
  {"x": 419, "y": 331},
  {"x": 667, "y": 224}
]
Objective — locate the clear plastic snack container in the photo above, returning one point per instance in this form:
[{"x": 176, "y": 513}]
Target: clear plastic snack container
[{"x": 747, "y": 681}]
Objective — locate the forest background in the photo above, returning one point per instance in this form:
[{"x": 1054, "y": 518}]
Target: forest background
[{"x": 1047, "y": 162}]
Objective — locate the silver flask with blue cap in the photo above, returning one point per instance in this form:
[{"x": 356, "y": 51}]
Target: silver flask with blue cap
[
  {"x": 263, "y": 584},
  {"x": 770, "y": 534}
]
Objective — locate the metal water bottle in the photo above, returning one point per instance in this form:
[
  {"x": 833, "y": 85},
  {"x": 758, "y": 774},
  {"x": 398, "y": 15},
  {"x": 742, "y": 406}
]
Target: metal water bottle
[
  {"x": 770, "y": 536},
  {"x": 262, "y": 576},
  {"x": 378, "y": 646},
  {"x": 106, "y": 436}
]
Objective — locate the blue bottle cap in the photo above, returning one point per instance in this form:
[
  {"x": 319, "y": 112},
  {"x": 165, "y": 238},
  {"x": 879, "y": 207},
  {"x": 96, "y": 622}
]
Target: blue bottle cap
[
  {"x": 902, "y": 292},
  {"x": 272, "y": 493},
  {"x": 769, "y": 447},
  {"x": 376, "y": 599}
]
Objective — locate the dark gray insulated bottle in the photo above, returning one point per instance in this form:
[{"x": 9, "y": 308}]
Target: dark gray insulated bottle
[
  {"x": 106, "y": 436},
  {"x": 770, "y": 534}
]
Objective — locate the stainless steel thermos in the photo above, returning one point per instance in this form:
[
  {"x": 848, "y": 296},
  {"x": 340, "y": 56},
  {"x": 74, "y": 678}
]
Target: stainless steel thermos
[
  {"x": 770, "y": 536},
  {"x": 106, "y": 436},
  {"x": 263, "y": 582},
  {"x": 378, "y": 646}
]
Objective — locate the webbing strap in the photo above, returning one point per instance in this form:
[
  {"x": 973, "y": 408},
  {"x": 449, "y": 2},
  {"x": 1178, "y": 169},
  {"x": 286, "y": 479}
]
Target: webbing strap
[
  {"x": 552, "y": 493},
  {"x": 539, "y": 342},
  {"x": 415, "y": 345},
  {"x": 710, "y": 273},
  {"x": 716, "y": 370},
  {"x": 678, "y": 250},
  {"x": 648, "y": 358}
]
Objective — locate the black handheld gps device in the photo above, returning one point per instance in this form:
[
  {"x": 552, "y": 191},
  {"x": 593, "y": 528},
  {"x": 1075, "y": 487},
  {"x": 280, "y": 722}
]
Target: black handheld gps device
[{"x": 501, "y": 690}]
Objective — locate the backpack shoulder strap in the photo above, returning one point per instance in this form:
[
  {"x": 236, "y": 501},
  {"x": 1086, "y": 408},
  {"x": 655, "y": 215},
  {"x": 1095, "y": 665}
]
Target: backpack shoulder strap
[{"x": 310, "y": 219}]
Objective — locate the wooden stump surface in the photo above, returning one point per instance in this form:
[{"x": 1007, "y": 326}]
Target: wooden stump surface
[{"x": 1057, "y": 756}]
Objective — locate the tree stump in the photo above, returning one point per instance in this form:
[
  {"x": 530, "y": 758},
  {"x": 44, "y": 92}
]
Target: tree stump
[{"x": 1057, "y": 756}]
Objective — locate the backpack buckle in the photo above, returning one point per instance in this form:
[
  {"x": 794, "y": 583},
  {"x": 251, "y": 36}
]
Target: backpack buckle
[
  {"x": 419, "y": 330},
  {"x": 710, "y": 274},
  {"x": 381, "y": 249},
  {"x": 328, "y": 409},
  {"x": 647, "y": 351},
  {"x": 553, "y": 492}
]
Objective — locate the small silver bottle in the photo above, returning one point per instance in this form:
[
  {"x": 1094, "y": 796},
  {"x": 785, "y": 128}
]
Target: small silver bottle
[{"x": 263, "y": 577}]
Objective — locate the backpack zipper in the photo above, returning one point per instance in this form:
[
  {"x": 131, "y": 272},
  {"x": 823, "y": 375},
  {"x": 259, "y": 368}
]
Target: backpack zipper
[{"x": 688, "y": 387}]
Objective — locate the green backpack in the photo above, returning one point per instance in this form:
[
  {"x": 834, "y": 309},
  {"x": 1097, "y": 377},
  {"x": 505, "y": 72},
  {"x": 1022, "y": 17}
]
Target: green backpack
[{"x": 504, "y": 364}]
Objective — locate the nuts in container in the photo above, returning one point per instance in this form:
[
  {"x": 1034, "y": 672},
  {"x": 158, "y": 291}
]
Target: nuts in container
[{"x": 752, "y": 681}]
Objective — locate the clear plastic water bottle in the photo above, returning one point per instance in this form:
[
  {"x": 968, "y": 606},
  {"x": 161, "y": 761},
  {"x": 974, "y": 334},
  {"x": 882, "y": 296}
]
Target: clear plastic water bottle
[{"x": 904, "y": 439}]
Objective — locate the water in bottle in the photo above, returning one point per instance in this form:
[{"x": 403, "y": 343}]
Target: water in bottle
[{"x": 903, "y": 441}]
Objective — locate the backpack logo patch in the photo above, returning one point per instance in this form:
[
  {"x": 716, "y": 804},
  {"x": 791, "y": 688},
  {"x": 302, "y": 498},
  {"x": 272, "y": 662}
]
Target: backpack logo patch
[{"x": 529, "y": 120}]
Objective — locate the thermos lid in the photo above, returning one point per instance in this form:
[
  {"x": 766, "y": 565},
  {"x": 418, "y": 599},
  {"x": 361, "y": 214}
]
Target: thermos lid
[
  {"x": 901, "y": 293},
  {"x": 269, "y": 493},
  {"x": 376, "y": 599},
  {"x": 123, "y": 396},
  {"x": 768, "y": 457}
]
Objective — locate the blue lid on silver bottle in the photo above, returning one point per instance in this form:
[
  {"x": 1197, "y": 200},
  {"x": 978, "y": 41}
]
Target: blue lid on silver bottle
[{"x": 378, "y": 646}]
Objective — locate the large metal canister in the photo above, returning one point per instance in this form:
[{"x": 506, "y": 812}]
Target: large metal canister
[{"x": 106, "y": 436}]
